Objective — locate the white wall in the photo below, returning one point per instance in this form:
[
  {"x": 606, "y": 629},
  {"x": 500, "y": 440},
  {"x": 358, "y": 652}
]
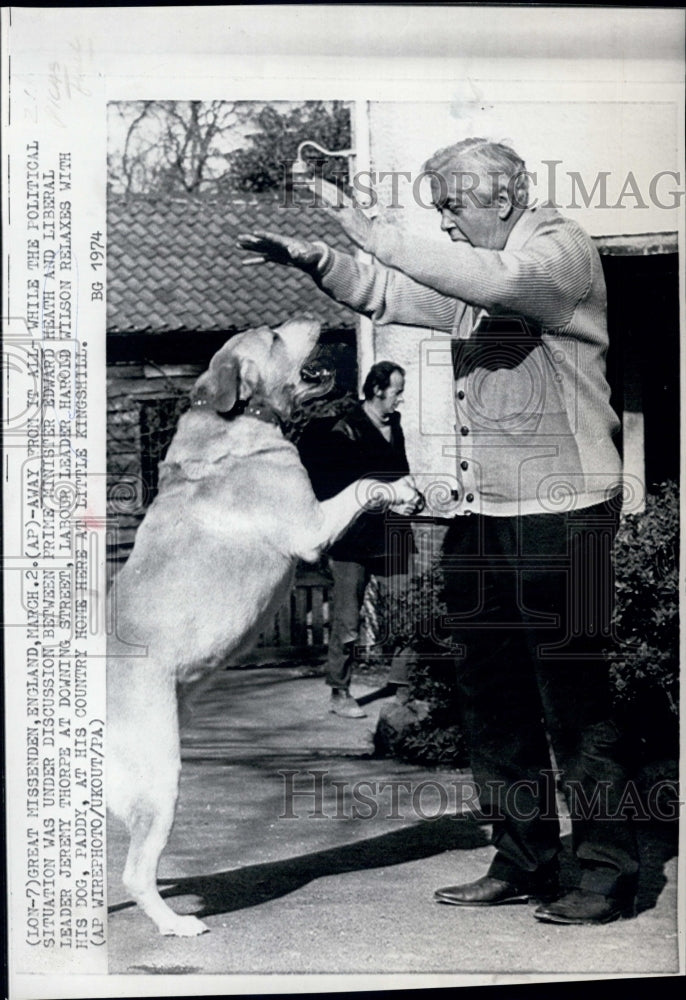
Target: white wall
[{"x": 633, "y": 144}]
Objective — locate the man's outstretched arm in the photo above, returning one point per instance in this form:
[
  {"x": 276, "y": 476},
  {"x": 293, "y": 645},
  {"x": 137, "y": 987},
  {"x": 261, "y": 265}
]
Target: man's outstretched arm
[{"x": 384, "y": 294}]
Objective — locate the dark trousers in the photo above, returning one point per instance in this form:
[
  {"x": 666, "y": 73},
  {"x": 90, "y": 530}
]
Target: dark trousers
[
  {"x": 529, "y": 603},
  {"x": 350, "y": 581}
]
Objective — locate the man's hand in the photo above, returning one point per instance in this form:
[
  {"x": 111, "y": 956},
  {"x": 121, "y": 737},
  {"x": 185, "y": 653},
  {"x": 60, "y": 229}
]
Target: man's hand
[
  {"x": 400, "y": 496},
  {"x": 287, "y": 250},
  {"x": 409, "y": 507},
  {"x": 406, "y": 497}
]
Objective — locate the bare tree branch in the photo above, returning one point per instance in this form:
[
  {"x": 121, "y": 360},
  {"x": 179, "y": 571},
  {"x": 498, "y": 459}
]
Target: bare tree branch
[{"x": 201, "y": 147}]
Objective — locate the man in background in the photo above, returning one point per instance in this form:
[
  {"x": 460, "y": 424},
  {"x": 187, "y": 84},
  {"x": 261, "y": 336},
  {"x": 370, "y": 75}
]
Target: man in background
[{"x": 367, "y": 441}]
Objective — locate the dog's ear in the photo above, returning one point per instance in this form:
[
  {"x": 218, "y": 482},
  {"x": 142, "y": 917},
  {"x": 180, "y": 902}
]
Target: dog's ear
[
  {"x": 225, "y": 382},
  {"x": 217, "y": 388},
  {"x": 250, "y": 379}
]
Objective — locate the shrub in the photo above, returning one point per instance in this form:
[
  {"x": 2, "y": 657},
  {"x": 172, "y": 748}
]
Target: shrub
[
  {"x": 437, "y": 738},
  {"x": 644, "y": 662},
  {"x": 407, "y": 621}
]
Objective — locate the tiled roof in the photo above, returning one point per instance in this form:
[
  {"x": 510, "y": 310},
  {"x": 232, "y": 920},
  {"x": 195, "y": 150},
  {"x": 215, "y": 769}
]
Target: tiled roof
[{"x": 173, "y": 265}]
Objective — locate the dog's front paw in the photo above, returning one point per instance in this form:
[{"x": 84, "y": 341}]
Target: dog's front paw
[{"x": 178, "y": 926}]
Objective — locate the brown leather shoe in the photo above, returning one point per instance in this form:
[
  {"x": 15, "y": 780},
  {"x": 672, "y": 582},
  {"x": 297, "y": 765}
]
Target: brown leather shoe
[
  {"x": 580, "y": 906},
  {"x": 486, "y": 891}
]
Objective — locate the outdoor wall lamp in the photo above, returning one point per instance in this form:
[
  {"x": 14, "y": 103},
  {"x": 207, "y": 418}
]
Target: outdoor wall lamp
[
  {"x": 301, "y": 171},
  {"x": 302, "y": 174}
]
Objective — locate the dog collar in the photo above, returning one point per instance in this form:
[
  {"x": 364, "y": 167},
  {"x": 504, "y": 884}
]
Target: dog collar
[{"x": 262, "y": 411}]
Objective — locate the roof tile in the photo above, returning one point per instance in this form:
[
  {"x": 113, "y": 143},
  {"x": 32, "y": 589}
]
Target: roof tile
[{"x": 173, "y": 265}]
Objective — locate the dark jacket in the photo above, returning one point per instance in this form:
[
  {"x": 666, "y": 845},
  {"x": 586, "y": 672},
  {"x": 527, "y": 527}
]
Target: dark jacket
[{"x": 336, "y": 451}]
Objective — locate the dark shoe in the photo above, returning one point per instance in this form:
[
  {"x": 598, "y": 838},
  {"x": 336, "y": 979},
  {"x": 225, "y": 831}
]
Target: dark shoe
[
  {"x": 343, "y": 703},
  {"x": 583, "y": 907},
  {"x": 486, "y": 891}
]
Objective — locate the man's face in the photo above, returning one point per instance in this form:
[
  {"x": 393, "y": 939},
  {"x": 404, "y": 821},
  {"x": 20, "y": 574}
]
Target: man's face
[
  {"x": 387, "y": 400},
  {"x": 468, "y": 214}
]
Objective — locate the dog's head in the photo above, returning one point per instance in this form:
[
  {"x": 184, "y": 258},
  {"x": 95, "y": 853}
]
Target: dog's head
[{"x": 273, "y": 366}]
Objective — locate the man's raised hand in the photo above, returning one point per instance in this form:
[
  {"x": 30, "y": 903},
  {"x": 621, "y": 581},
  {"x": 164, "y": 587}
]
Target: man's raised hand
[{"x": 279, "y": 249}]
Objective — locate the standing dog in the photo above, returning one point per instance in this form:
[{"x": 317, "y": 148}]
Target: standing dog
[{"x": 213, "y": 560}]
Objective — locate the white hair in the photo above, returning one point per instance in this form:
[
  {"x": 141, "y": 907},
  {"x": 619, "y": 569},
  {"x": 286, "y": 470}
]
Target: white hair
[{"x": 484, "y": 161}]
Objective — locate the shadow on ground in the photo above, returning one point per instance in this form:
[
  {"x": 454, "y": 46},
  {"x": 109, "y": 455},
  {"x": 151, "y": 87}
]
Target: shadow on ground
[
  {"x": 225, "y": 892},
  {"x": 334, "y": 886}
]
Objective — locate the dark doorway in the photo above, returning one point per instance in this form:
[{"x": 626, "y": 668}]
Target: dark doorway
[{"x": 643, "y": 361}]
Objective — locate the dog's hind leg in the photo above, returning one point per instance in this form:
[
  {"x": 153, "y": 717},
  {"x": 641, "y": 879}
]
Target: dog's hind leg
[
  {"x": 150, "y": 821},
  {"x": 143, "y": 767}
]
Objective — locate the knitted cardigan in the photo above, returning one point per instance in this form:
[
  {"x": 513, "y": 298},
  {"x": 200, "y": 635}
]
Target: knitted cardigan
[{"x": 534, "y": 427}]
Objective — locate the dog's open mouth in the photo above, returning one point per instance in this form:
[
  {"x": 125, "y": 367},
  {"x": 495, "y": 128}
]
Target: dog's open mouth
[
  {"x": 315, "y": 371},
  {"x": 317, "y": 374}
]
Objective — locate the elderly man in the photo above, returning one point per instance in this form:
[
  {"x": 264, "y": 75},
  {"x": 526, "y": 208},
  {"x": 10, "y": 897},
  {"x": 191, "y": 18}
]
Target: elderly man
[{"x": 527, "y": 559}]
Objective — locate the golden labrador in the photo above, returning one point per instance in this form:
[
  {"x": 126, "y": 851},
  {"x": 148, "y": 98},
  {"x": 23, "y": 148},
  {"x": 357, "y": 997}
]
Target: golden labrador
[{"x": 213, "y": 560}]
